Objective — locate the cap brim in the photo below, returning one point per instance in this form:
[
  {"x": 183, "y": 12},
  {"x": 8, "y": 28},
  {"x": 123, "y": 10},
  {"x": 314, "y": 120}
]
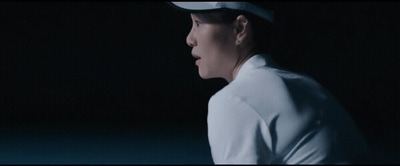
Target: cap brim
[{"x": 195, "y": 6}]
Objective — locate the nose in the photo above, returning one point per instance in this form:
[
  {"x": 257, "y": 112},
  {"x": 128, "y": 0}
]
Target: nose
[{"x": 190, "y": 39}]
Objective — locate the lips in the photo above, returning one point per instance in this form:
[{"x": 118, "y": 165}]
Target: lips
[{"x": 196, "y": 56}]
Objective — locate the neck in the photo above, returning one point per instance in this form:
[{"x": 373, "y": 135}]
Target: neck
[{"x": 238, "y": 65}]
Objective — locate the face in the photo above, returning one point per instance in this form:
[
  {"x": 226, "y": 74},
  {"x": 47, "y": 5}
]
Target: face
[{"x": 213, "y": 45}]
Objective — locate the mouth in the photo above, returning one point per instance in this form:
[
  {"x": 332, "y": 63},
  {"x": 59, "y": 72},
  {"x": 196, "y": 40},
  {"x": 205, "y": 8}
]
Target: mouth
[{"x": 196, "y": 56}]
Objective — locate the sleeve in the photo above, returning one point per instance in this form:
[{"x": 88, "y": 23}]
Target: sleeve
[{"x": 237, "y": 134}]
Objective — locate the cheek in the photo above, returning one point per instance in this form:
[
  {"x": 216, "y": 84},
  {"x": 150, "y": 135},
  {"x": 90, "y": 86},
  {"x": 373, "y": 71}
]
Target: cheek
[
  {"x": 223, "y": 39},
  {"x": 218, "y": 44},
  {"x": 216, "y": 49},
  {"x": 217, "y": 62},
  {"x": 216, "y": 36},
  {"x": 221, "y": 49}
]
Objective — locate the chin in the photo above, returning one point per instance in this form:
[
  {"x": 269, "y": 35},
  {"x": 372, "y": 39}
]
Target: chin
[
  {"x": 207, "y": 76},
  {"x": 204, "y": 76}
]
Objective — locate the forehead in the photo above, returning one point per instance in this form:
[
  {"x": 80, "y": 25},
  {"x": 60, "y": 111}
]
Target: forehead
[
  {"x": 215, "y": 17},
  {"x": 194, "y": 16},
  {"x": 207, "y": 18},
  {"x": 200, "y": 17}
]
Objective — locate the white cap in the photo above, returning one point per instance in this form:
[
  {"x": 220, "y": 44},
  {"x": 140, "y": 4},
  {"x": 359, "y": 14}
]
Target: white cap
[{"x": 245, "y": 6}]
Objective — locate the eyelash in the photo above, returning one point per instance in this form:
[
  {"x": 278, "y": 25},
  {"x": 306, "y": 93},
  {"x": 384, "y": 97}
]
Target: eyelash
[{"x": 197, "y": 23}]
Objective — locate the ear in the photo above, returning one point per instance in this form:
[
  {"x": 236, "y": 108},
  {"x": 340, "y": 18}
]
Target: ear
[{"x": 241, "y": 28}]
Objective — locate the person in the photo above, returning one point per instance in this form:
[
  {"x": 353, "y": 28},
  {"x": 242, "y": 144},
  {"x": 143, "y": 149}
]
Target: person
[{"x": 265, "y": 114}]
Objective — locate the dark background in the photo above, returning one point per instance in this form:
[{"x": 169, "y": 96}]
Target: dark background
[{"x": 114, "y": 82}]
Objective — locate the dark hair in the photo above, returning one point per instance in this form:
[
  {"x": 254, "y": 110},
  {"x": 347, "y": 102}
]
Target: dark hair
[{"x": 263, "y": 29}]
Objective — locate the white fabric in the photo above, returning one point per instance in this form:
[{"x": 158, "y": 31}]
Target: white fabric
[
  {"x": 271, "y": 116},
  {"x": 197, "y": 5},
  {"x": 246, "y": 6}
]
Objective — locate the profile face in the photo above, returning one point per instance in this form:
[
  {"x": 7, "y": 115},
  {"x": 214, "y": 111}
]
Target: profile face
[{"x": 213, "y": 45}]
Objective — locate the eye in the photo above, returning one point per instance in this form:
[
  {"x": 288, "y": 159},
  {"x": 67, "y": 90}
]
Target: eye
[{"x": 197, "y": 23}]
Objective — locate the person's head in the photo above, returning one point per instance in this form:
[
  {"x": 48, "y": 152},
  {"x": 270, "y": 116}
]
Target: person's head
[{"x": 222, "y": 39}]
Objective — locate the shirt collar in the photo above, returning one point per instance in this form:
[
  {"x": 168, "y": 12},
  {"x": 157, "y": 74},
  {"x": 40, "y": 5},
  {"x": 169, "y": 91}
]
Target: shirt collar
[{"x": 256, "y": 61}]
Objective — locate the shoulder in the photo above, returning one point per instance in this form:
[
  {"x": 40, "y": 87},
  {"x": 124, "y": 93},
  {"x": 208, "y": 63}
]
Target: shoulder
[
  {"x": 256, "y": 80},
  {"x": 232, "y": 102},
  {"x": 270, "y": 92},
  {"x": 261, "y": 92},
  {"x": 256, "y": 86}
]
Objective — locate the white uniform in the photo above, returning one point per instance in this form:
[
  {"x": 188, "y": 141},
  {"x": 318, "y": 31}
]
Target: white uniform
[{"x": 268, "y": 115}]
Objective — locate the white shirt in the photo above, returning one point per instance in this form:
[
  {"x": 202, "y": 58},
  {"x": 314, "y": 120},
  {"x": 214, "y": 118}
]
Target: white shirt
[{"x": 268, "y": 115}]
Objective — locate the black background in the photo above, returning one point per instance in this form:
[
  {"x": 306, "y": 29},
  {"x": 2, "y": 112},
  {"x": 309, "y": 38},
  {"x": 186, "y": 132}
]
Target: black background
[{"x": 116, "y": 64}]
